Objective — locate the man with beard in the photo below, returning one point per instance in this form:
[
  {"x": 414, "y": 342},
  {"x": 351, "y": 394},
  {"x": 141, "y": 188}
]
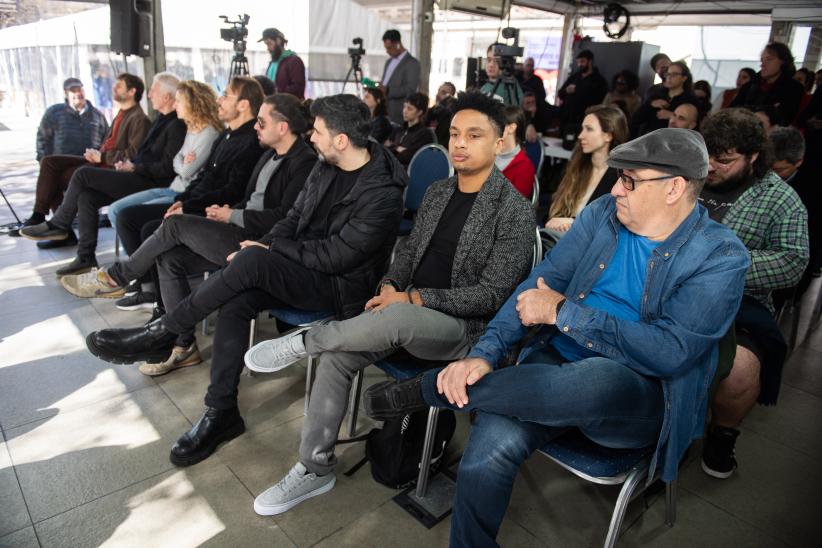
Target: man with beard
[
  {"x": 327, "y": 254},
  {"x": 743, "y": 193},
  {"x": 286, "y": 69}
]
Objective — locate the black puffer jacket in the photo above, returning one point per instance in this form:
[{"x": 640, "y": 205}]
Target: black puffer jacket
[{"x": 360, "y": 229}]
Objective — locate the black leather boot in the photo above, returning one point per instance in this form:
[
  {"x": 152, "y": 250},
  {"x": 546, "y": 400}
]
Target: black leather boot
[
  {"x": 214, "y": 427},
  {"x": 149, "y": 343},
  {"x": 392, "y": 399},
  {"x": 80, "y": 265}
]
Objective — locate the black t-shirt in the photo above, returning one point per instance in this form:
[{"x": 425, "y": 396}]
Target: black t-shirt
[
  {"x": 718, "y": 200},
  {"x": 339, "y": 187},
  {"x": 434, "y": 270}
]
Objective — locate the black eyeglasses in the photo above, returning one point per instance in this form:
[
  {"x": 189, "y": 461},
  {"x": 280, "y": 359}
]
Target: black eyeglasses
[{"x": 630, "y": 183}]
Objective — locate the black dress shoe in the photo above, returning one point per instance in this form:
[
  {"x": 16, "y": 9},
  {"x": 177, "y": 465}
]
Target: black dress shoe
[
  {"x": 43, "y": 231},
  {"x": 54, "y": 244},
  {"x": 214, "y": 427},
  {"x": 393, "y": 399},
  {"x": 80, "y": 265},
  {"x": 149, "y": 343}
]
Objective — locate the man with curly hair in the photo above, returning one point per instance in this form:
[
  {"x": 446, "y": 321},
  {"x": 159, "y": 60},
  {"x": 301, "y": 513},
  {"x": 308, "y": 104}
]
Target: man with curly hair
[{"x": 743, "y": 193}]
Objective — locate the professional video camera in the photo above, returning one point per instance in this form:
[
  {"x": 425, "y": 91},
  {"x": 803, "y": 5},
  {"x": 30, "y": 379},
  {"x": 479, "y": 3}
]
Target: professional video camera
[
  {"x": 237, "y": 33},
  {"x": 355, "y": 72},
  {"x": 507, "y": 53},
  {"x": 358, "y": 51}
]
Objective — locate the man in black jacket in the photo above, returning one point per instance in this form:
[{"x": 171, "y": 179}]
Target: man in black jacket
[
  {"x": 328, "y": 253},
  {"x": 223, "y": 180},
  {"x": 471, "y": 245},
  {"x": 91, "y": 188},
  {"x": 584, "y": 88},
  {"x": 186, "y": 246}
]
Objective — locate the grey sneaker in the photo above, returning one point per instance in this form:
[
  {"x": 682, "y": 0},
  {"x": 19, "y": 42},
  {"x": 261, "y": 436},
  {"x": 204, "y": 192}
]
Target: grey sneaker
[
  {"x": 298, "y": 485},
  {"x": 275, "y": 354},
  {"x": 43, "y": 231},
  {"x": 180, "y": 357},
  {"x": 91, "y": 284}
]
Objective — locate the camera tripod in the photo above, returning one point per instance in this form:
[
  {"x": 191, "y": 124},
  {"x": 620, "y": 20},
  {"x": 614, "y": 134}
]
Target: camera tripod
[
  {"x": 354, "y": 75},
  {"x": 10, "y": 226},
  {"x": 509, "y": 85},
  {"x": 239, "y": 65}
]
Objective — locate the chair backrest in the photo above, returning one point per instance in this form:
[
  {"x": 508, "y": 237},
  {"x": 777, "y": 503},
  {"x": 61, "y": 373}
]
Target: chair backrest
[
  {"x": 429, "y": 164},
  {"x": 535, "y": 192},
  {"x": 536, "y": 154},
  {"x": 537, "y": 257}
]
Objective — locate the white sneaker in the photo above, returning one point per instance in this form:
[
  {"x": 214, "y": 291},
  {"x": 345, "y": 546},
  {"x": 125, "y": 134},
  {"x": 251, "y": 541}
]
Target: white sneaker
[
  {"x": 275, "y": 354},
  {"x": 91, "y": 284},
  {"x": 180, "y": 357},
  {"x": 295, "y": 487}
]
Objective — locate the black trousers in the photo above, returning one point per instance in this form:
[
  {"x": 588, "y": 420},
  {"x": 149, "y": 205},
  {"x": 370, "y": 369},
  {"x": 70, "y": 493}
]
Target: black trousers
[
  {"x": 134, "y": 225},
  {"x": 255, "y": 280},
  {"x": 90, "y": 189}
]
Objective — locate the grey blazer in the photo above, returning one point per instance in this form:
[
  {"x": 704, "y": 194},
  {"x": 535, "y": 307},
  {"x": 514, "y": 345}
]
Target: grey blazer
[
  {"x": 493, "y": 254},
  {"x": 404, "y": 81}
]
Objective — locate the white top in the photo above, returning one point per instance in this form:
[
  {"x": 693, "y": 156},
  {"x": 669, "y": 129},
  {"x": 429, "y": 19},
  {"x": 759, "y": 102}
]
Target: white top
[{"x": 200, "y": 144}]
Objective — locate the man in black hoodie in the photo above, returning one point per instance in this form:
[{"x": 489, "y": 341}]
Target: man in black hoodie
[
  {"x": 91, "y": 188},
  {"x": 328, "y": 253}
]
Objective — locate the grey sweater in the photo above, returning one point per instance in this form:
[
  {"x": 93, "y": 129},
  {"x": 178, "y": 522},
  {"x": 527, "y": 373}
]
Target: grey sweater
[{"x": 493, "y": 254}]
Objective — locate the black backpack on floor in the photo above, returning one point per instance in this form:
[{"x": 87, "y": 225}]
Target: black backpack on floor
[{"x": 395, "y": 450}]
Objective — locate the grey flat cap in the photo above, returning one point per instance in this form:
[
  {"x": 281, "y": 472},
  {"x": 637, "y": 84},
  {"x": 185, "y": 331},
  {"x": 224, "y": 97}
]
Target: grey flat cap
[{"x": 674, "y": 151}]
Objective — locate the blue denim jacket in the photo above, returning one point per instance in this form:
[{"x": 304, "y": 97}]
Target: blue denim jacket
[{"x": 693, "y": 287}]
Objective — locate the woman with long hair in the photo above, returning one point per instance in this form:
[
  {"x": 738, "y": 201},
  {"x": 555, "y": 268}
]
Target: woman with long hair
[
  {"x": 774, "y": 84},
  {"x": 746, "y": 74},
  {"x": 587, "y": 176},
  {"x": 374, "y": 98},
  {"x": 196, "y": 105},
  {"x": 655, "y": 113}
]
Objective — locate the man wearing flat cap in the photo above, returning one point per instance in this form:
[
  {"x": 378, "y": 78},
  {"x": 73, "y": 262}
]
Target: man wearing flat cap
[
  {"x": 286, "y": 69},
  {"x": 623, "y": 320}
]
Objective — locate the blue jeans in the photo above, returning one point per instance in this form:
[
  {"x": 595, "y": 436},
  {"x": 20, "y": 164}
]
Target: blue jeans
[
  {"x": 150, "y": 196},
  {"x": 522, "y": 408}
]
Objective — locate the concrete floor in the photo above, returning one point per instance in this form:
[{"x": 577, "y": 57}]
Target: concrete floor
[{"x": 84, "y": 448}]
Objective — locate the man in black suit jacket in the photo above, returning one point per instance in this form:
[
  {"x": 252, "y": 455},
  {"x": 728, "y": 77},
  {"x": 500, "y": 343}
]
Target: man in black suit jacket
[{"x": 401, "y": 75}]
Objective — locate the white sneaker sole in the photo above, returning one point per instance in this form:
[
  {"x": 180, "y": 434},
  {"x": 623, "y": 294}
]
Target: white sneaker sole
[
  {"x": 714, "y": 473},
  {"x": 260, "y": 366},
  {"x": 273, "y": 510}
]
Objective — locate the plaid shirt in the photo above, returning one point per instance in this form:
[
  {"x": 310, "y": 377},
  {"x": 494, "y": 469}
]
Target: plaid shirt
[{"x": 771, "y": 221}]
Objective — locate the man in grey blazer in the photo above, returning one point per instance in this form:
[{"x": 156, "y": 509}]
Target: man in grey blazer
[
  {"x": 470, "y": 246},
  {"x": 401, "y": 75}
]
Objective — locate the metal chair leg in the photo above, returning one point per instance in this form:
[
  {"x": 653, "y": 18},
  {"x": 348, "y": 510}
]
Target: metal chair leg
[
  {"x": 633, "y": 480},
  {"x": 252, "y": 337},
  {"x": 670, "y": 503},
  {"x": 205, "y": 320},
  {"x": 309, "y": 380},
  {"x": 354, "y": 403},
  {"x": 116, "y": 246},
  {"x": 427, "y": 450}
]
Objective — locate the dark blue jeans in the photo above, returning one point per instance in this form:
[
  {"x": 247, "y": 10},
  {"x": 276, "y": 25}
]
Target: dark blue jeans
[{"x": 521, "y": 408}]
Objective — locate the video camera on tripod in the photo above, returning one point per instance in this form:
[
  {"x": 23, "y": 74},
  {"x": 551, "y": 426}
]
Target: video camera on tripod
[
  {"x": 236, "y": 34},
  {"x": 506, "y": 54},
  {"x": 355, "y": 72}
]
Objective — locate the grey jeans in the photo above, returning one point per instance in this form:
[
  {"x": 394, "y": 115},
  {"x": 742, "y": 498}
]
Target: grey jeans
[{"x": 346, "y": 347}]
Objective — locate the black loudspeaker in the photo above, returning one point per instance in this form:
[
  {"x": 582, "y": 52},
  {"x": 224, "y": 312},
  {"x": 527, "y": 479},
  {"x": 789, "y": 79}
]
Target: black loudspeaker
[{"x": 132, "y": 26}]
